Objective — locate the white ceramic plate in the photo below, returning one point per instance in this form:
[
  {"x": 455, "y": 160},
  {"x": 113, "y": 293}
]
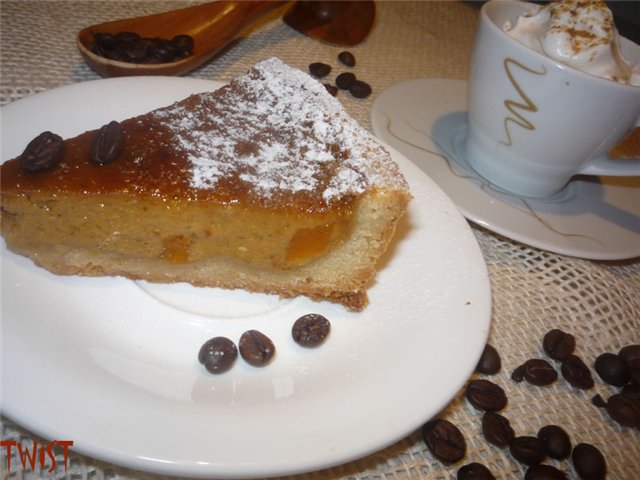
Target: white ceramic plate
[
  {"x": 593, "y": 217},
  {"x": 116, "y": 360}
]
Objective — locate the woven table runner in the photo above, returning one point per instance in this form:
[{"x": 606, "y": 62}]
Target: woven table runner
[{"x": 533, "y": 291}]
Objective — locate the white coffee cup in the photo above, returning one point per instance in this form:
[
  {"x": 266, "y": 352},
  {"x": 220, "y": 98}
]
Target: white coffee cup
[{"x": 533, "y": 122}]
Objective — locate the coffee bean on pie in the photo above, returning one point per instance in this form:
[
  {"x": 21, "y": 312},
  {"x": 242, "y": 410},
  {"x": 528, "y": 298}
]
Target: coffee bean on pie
[
  {"x": 218, "y": 354},
  {"x": 558, "y": 344},
  {"x": 527, "y": 450},
  {"x": 486, "y": 395},
  {"x": 490, "y": 362},
  {"x": 474, "y": 471},
  {"x": 256, "y": 348},
  {"x": 576, "y": 372},
  {"x": 310, "y": 330},
  {"x": 589, "y": 462},
  {"x": 497, "y": 429},
  {"x": 42, "y": 153},
  {"x": 444, "y": 440},
  {"x": 556, "y": 441},
  {"x": 107, "y": 143}
]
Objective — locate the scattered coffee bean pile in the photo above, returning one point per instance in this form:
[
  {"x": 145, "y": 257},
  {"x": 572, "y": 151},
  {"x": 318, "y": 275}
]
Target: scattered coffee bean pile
[
  {"x": 621, "y": 370},
  {"x": 219, "y": 354},
  {"x": 132, "y": 48},
  {"x": 446, "y": 443},
  {"x": 344, "y": 81}
]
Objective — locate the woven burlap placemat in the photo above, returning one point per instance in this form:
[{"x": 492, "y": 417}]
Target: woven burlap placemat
[{"x": 533, "y": 291}]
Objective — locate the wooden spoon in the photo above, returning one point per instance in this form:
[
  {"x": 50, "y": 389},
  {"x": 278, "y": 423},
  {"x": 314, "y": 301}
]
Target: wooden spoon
[{"x": 213, "y": 25}]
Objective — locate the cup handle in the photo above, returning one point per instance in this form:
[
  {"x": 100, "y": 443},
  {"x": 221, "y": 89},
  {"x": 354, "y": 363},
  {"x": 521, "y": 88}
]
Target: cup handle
[{"x": 618, "y": 167}]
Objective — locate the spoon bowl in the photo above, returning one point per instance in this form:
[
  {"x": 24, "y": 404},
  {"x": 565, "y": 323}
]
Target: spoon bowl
[{"x": 214, "y": 25}]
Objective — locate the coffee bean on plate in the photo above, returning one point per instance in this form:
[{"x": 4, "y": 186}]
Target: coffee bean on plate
[
  {"x": 345, "y": 80},
  {"x": 218, "y": 354},
  {"x": 537, "y": 372},
  {"x": 311, "y": 330},
  {"x": 527, "y": 450},
  {"x": 319, "y": 69},
  {"x": 347, "y": 58},
  {"x": 558, "y": 344},
  {"x": 486, "y": 395},
  {"x": 576, "y": 372},
  {"x": 543, "y": 471},
  {"x": 589, "y": 462},
  {"x": 474, "y": 471},
  {"x": 107, "y": 143},
  {"x": 360, "y": 89},
  {"x": 444, "y": 440},
  {"x": 612, "y": 369},
  {"x": 497, "y": 429},
  {"x": 489, "y": 362},
  {"x": 183, "y": 44},
  {"x": 256, "y": 348},
  {"x": 42, "y": 153},
  {"x": 556, "y": 441}
]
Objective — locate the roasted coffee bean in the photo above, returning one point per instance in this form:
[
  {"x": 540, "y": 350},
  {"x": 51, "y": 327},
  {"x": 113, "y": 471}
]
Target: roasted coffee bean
[
  {"x": 527, "y": 450},
  {"x": 538, "y": 372},
  {"x": 497, "y": 429},
  {"x": 489, "y": 362},
  {"x": 589, "y": 462},
  {"x": 632, "y": 390},
  {"x": 598, "y": 401},
  {"x": 126, "y": 37},
  {"x": 218, "y": 354},
  {"x": 345, "y": 80},
  {"x": 319, "y": 69},
  {"x": 558, "y": 344},
  {"x": 256, "y": 348},
  {"x": 544, "y": 472},
  {"x": 107, "y": 143},
  {"x": 612, "y": 369},
  {"x": 347, "y": 58},
  {"x": 624, "y": 410},
  {"x": 518, "y": 374},
  {"x": 360, "y": 89},
  {"x": 556, "y": 441},
  {"x": 576, "y": 372},
  {"x": 444, "y": 440},
  {"x": 332, "y": 89},
  {"x": 131, "y": 47},
  {"x": 486, "y": 395},
  {"x": 42, "y": 153},
  {"x": 105, "y": 40},
  {"x": 135, "y": 52},
  {"x": 183, "y": 44},
  {"x": 474, "y": 471},
  {"x": 311, "y": 330},
  {"x": 631, "y": 356}
]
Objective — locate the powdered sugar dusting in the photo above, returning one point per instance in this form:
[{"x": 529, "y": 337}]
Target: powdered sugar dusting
[{"x": 280, "y": 132}]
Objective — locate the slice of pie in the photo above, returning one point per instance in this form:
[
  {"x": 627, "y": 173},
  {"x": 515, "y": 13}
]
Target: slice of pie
[{"x": 265, "y": 184}]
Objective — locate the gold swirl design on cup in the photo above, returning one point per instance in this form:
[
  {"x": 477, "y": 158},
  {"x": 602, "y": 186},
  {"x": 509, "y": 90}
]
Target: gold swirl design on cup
[{"x": 525, "y": 103}]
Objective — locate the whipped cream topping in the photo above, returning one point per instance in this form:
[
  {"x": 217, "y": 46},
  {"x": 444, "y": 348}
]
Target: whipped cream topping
[
  {"x": 278, "y": 131},
  {"x": 577, "y": 33}
]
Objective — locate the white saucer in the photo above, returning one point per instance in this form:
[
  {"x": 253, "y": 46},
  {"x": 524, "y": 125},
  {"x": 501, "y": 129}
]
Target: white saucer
[{"x": 593, "y": 217}]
